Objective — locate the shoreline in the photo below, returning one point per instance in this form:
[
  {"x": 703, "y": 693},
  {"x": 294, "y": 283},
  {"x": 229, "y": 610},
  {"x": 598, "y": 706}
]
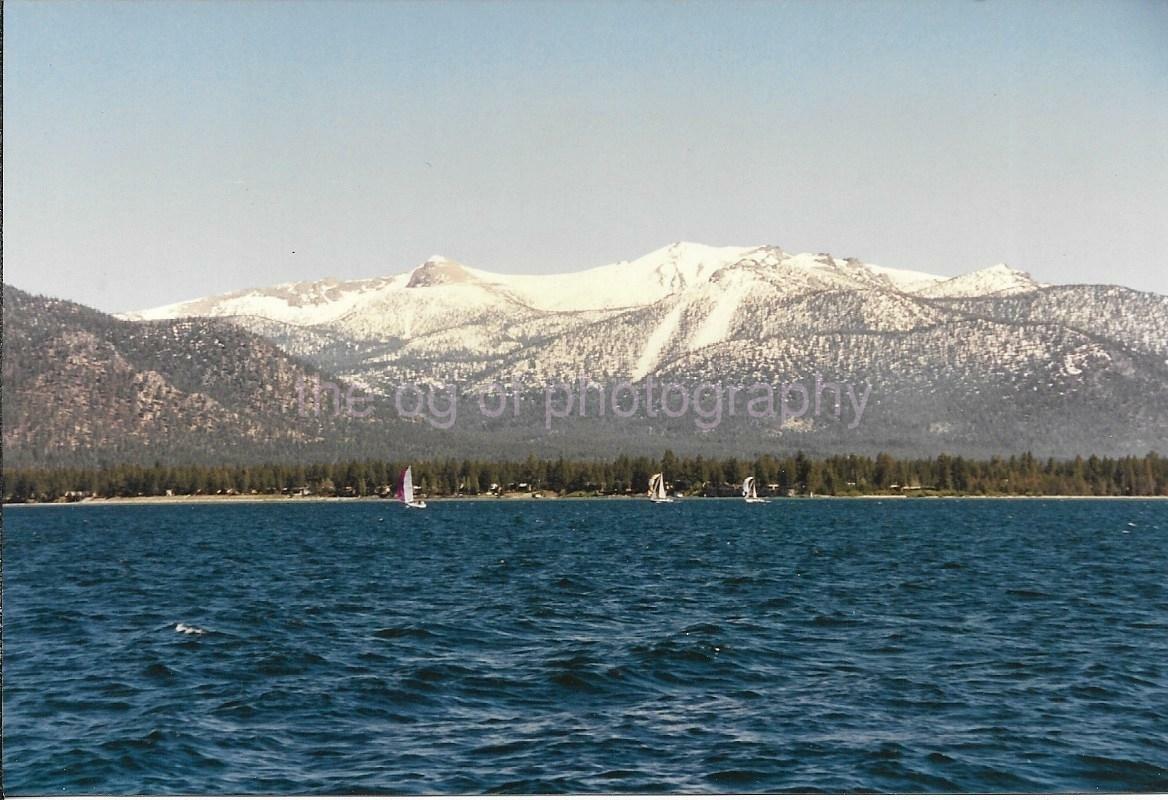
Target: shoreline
[{"x": 228, "y": 499}]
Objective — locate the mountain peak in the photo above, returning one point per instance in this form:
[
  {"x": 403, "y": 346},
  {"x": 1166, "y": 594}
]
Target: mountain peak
[
  {"x": 1005, "y": 272},
  {"x": 439, "y": 271},
  {"x": 1000, "y": 279}
]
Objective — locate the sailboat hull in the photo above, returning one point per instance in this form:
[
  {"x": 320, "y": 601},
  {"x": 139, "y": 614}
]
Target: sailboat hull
[{"x": 416, "y": 504}]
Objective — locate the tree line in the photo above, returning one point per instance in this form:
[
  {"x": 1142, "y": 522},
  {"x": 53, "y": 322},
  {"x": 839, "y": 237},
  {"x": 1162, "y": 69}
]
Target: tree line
[{"x": 776, "y": 475}]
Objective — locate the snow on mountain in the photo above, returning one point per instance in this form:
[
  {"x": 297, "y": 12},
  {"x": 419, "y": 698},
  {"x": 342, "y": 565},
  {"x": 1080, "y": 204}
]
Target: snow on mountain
[
  {"x": 657, "y": 342},
  {"x": 625, "y": 284},
  {"x": 439, "y": 271},
  {"x": 308, "y": 303},
  {"x": 999, "y": 279},
  {"x": 907, "y": 280},
  {"x": 991, "y": 358},
  {"x": 446, "y": 321},
  {"x": 641, "y": 282}
]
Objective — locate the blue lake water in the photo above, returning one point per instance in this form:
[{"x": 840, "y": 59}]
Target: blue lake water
[{"x": 710, "y": 646}]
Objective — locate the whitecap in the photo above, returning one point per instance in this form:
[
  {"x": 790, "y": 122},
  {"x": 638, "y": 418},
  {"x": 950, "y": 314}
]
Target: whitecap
[{"x": 182, "y": 627}]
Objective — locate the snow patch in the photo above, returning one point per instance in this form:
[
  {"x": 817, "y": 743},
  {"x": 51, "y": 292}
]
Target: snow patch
[
  {"x": 997, "y": 280},
  {"x": 716, "y": 327},
  {"x": 656, "y": 343},
  {"x": 907, "y": 280}
]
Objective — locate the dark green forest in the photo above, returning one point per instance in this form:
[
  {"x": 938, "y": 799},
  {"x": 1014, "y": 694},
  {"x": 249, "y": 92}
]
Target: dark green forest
[{"x": 697, "y": 476}]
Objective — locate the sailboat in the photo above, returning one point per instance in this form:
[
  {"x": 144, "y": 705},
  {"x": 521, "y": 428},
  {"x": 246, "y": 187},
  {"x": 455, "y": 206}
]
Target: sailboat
[
  {"x": 657, "y": 489},
  {"x": 750, "y": 491},
  {"x": 405, "y": 489}
]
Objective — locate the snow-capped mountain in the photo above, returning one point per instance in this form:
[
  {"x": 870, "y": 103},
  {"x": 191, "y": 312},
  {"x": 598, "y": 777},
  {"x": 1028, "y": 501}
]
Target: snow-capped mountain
[
  {"x": 671, "y": 270},
  {"x": 447, "y": 321},
  {"x": 996, "y": 281},
  {"x": 677, "y": 269},
  {"x": 457, "y": 322},
  {"x": 985, "y": 360},
  {"x": 621, "y": 285}
]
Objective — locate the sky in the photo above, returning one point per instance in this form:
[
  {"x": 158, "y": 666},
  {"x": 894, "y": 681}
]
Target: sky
[{"x": 157, "y": 152}]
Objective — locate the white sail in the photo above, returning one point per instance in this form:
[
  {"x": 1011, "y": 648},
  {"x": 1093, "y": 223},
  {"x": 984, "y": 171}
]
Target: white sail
[
  {"x": 406, "y": 488},
  {"x": 657, "y": 492},
  {"x": 750, "y": 491}
]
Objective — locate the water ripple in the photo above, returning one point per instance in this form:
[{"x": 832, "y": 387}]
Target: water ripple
[{"x": 929, "y": 646}]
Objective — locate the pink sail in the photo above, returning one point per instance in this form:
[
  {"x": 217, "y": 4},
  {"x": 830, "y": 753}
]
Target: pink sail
[{"x": 401, "y": 484}]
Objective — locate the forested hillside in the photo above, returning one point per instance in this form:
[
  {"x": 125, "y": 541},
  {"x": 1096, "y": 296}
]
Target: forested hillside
[{"x": 795, "y": 474}]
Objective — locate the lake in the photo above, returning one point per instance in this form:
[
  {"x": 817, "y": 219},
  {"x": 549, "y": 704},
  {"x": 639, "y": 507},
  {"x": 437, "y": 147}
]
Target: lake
[{"x": 586, "y": 646}]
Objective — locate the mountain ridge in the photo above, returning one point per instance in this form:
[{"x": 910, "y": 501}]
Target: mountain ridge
[
  {"x": 676, "y": 266},
  {"x": 986, "y": 362}
]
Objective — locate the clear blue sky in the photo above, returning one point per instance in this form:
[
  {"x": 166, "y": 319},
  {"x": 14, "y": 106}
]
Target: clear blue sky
[{"x": 160, "y": 151}]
